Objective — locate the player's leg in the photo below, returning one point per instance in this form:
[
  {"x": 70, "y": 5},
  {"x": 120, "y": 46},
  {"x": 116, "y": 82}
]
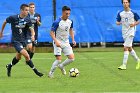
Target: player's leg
[
  {"x": 126, "y": 44},
  {"x": 69, "y": 53},
  {"x": 57, "y": 53},
  {"x": 30, "y": 48},
  {"x": 14, "y": 62},
  {"x": 34, "y": 44},
  {"x": 29, "y": 62},
  {"x": 134, "y": 55}
]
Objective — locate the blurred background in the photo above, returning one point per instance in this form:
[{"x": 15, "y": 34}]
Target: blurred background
[{"x": 94, "y": 21}]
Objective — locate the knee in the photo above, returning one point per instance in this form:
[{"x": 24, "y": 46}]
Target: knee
[
  {"x": 27, "y": 57},
  {"x": 72, "y": 59},
  {"x": 18, "y": 58}
]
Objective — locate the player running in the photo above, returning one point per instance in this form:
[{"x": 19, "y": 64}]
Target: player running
[
  {"x": 36, "y": 21},
  {"x": 19, "y": 25},
  {"x": 61, "y": 28},
  {"x": 128, "y": 19}
]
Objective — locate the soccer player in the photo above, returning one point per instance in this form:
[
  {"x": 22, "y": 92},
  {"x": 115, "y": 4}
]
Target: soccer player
[
  {"x": 19, "y": 25},
  {"x": 36, "y": 21},
  {"x": 60, "y": 30},
  {"x": 128, "y": 19}
]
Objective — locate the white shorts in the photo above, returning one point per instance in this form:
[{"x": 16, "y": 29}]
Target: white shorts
[
  {"x": 65, "y": 48},
  {"x": 128, "y": 41}
]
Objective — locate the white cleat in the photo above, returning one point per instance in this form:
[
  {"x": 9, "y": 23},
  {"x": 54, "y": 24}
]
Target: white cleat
[
  {"x": 50, "y": 75},
  {"x": 122, "y": 67},
  {"x": 62, "y": 69}
]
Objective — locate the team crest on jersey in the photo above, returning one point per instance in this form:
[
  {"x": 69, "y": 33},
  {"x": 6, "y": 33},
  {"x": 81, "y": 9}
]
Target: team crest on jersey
[{"x": 21, "y": 46}]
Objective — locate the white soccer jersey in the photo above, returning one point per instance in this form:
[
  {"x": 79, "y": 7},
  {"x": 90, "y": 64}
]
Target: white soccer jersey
[
  {"x": 127, "y": 18},
  {"x": 61, "y": 29}
]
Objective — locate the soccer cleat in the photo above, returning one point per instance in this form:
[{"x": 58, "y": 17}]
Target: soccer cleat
[
  {"x": 122, "y": 67},
  {"x": 8, "y": 66},
  {"x": 62, "y": 69},
  {"x": 50, "y": 75},
  {"x": 37, "y": 72},
  {"x": 138, "y": 65}
]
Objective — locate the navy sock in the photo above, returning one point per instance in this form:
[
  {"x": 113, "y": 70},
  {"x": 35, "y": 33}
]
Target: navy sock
[
  {"x": 30, "y": 63},
  {"x": 31, "y": 55},
  {"x": 14, "y": 61}
]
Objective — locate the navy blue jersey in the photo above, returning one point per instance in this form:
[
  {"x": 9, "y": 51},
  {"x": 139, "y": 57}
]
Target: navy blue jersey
[
  {"x": 19, "y": 26},
  {"x": 34, "y": 24}
]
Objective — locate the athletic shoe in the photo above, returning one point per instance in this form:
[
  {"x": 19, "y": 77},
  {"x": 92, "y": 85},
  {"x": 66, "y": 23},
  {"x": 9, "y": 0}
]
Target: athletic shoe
[
  {"x": 138, "y": 65},
  {"x": 8, "y": 66},
  {"x": 122, "y": 67},
  {"x": 50, "y": 75},
  {"x": 38, "y": 73},
  {"x": 62, "y": 69}
]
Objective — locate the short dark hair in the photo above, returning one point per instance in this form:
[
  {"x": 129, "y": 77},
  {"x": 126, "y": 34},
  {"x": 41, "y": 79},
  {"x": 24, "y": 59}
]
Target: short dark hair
[
  {"x": 31, "y": 3},
  {"x": 22, "y": 7},
  {"x": 127, "y": 0},
  {"x": 64, "y": 8}
]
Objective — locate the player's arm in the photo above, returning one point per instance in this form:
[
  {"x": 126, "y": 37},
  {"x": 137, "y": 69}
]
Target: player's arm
[
  {"x": 2, "y": 29},
  {"x": 32, "y": 33},
  {"x": 52, "y": 33},
  {"x": 137, "y": 21},
  {"x": 72, "y": 36},
  {"x": 57, "y": 43},
  {"x": 38, "y": 20},
  {"x": 118, "y": 22}
]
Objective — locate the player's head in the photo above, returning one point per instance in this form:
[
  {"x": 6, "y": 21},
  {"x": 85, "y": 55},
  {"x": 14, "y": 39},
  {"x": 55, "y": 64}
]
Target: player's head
[
  {"x": 65, "y": 12},
  {"x": 31, "y": 7},
  {"x": 24, "y": 9},
  {"x": 126, "y": 3}
]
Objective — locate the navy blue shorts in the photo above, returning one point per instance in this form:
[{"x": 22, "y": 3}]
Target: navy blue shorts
[{"x": 19, "y": 45}]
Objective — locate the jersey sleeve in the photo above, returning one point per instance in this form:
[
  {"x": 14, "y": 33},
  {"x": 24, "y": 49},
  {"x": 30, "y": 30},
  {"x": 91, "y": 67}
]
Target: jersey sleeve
[
  {"x": 54, "y": 26},
  {"x": 136, "y": 17},
  {"x": 71, "y": 25},
  {"x": 118, "y": 17},
  {"x": 9, "y": 19}
]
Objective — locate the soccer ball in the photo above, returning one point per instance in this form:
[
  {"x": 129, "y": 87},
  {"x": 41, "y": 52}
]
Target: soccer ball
[{"x": 74, "y": 72}]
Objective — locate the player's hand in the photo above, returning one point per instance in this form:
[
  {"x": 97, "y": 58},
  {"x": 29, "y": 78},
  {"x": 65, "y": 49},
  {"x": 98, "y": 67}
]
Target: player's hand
[
  {"x": 33, "y": 38},
  {"x": 38, "y": 18},
  {"x": 38, "y": 21},
  {"x": 132, "y": 25},
  {"x": 57, "y": 43},
  {"x": 118, "y": 23},
  {"x": 1, "y": 34},
  {"x": 74, "y": 43}
]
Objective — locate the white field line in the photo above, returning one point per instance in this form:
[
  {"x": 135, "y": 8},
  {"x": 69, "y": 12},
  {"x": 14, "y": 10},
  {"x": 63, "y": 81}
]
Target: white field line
[{"x": 35, "y": 58}]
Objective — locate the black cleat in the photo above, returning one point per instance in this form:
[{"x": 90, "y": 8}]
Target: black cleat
[
  {"x": 38, "y": 73},
  {"x": 8, "y": 66}
]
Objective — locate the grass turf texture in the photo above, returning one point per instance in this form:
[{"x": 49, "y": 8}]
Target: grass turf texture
[{"x": 98, "y": 73}]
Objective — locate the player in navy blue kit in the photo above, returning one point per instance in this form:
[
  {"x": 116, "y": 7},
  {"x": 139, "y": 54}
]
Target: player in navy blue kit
[
  {"x": 36, "y": 21},
  {"x": 19, "y": 25}
]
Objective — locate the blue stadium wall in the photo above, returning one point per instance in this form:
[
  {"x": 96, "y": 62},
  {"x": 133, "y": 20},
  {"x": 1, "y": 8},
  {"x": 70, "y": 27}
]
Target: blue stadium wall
[{"x": 94, "y": 20}]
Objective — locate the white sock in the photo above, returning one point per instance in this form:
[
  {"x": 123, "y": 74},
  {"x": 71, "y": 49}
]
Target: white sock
[
  {"x": 133, "y": 53},
  {"x": 54, "y": 65},
  {"x": 66, "y": 62},
  {"x": 125, "y": 58}
]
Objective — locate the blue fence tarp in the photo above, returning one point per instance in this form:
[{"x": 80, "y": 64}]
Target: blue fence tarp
[{"x": 94, "y": 20}]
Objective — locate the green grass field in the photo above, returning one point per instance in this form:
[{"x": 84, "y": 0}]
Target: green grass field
[{"x": 98, "y": 73}]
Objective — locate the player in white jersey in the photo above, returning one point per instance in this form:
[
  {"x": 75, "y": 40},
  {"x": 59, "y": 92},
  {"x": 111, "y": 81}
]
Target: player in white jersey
[
  {"x": 61, "y": 28},
  {"x": 128, "y": 19}
]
